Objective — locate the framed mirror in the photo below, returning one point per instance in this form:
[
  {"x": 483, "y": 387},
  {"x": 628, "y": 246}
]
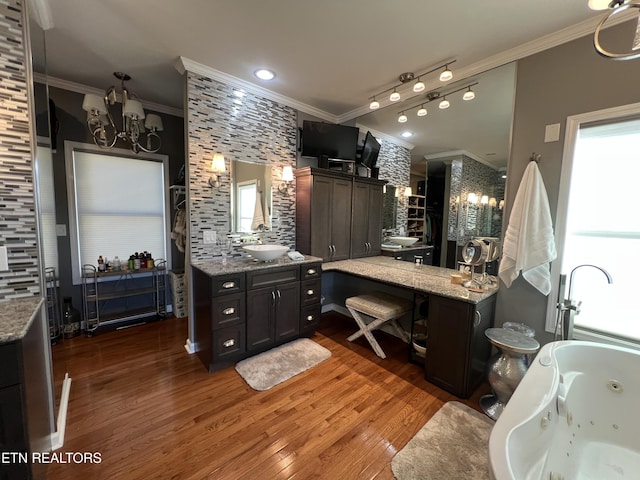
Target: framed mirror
[{"x": 251, "y": 196}]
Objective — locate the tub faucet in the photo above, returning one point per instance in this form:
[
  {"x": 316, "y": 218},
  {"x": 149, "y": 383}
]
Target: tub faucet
[{"x": 567, "y": 307}]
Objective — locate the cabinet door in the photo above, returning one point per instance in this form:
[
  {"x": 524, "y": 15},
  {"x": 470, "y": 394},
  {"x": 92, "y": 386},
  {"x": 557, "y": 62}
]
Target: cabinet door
[
  {"x": 360, "y": 223},
  {"x": 287, "y": 310},
  {"x": 447, "y": 357},
  {"x": 341, "y": 219},
  {"x": 260, "y": 318},
  {"x": 321, "y": 215},
  {"x": 374, "y": 227}
]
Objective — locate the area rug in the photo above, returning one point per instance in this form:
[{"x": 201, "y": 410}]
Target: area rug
[
  {"x": 453, "y": 444},
  {"x": 279, "y": 364}
]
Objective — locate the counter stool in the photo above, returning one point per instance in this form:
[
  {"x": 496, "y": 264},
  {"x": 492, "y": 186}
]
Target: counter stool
[
  {"x": 383, "y": 308},
  {"x": 506, "y": 369}
]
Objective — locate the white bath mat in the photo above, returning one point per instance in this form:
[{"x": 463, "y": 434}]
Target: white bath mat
[
  {"x": 453, "y": 444},
  {"x": 279, "y": 364}
]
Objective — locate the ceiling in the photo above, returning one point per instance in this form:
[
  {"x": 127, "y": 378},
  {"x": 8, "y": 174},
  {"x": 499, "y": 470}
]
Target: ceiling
[{"x": 330, "y": 56}]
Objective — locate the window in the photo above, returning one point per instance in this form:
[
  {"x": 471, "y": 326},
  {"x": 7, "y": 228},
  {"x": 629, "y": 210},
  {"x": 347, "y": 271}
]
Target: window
[
  {"x": 117, "y": 204},
  {"x": 601, "y": 227}
]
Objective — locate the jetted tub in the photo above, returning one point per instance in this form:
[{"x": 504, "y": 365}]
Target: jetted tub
[{"x": 574, "y": 416}]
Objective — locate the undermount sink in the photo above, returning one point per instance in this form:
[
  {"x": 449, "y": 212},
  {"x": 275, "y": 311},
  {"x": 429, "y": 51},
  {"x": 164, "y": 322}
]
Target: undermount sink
[
  {"x": 404, "y": 241},
  {"x": 266, "y": 253}
]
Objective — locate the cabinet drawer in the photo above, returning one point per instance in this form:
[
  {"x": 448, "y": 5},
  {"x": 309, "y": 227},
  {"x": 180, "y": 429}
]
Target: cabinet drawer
[
  {"x": 313, "y": 270},
  {"x": 224, "y": 284},
  {"x": 9, "y": 360},
  {"x": 227, "y": 310},
  {"x": 271, "y": 276},
  {"x": 228, "y": 342},
  {"x": 310, "y": 292},
  {"x": 309, "y": 319}
]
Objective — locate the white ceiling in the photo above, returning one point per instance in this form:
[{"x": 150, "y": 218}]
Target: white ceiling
[{"x": 329, "y": 55}]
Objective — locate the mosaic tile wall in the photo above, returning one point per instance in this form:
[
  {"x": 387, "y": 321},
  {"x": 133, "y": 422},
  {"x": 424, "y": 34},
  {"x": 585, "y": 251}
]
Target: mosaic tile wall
[
  {"x": 17, "y": 202},
  {"x": 471, "y": 176},
  {"x": 394, "y": 162},
  {"x": 242, "y": 126}
]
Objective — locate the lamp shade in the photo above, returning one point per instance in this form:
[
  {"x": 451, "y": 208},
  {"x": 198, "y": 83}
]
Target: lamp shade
[
  {"x": 287, "y": 173},
  {"x": 408, "y": 192},
  {"x": 133, "y": 109},
  {"x": 153, "y": 122},
  {"x": 217, "y": 164},
  {"x": 599, "y": 4},
  {"x": 94, "y": 103},
  {"x": 484, "y": 199}
]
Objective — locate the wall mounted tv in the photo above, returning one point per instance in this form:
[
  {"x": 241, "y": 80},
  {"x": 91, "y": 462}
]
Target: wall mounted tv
[
  {"x": 370, "y": 151},
  {"x": 329, "y": 140}
]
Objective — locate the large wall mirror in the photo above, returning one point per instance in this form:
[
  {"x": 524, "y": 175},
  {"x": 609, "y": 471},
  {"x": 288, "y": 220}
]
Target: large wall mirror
[
  {"x": 474, "y": 135},
  {"x": 251, "y": 208}
]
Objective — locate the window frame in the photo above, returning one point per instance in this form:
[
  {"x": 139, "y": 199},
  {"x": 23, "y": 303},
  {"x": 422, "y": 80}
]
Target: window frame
[{"x": 69, "y": 149}]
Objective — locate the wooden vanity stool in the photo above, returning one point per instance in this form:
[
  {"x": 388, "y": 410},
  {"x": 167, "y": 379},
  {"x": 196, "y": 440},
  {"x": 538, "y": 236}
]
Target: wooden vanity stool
[{"x": 383, "y": 308}]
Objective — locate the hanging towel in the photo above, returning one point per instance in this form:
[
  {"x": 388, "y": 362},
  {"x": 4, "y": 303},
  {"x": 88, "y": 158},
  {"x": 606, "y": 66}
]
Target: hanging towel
[
  {"x": 258, "y": 215},
  {"x": 528, "y": 243},
  {"x": 179, "y": 233}
]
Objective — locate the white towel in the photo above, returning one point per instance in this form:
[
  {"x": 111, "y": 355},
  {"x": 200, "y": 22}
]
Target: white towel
[
  {"x": 528, "y": 243},
  {"x": 259, "y": 219}
]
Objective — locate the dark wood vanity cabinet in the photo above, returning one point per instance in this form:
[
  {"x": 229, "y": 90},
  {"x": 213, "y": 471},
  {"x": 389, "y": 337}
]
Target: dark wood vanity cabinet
[
  {"x": 245, "y": 313},
  {"x": 457, "y": 349},
  {"x": 366, "y": 224}
]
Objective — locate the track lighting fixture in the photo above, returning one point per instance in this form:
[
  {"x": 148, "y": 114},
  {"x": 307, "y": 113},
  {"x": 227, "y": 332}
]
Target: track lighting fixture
[
  {"x": 418, "y": 86},
  {"x": 432, "y": 97},
  {"x": 446, "y": 74},
  {"x": 469, "y": 95}
]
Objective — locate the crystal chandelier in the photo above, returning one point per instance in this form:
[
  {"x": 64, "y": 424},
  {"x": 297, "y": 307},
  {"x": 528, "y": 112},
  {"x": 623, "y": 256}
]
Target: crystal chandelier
[{"x": 135, "y": 124}]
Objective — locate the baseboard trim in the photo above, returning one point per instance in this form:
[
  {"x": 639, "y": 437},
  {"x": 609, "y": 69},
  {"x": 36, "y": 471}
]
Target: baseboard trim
[
  {"x": 189, "y": 347},
  {"x": 57, "y": 439}
]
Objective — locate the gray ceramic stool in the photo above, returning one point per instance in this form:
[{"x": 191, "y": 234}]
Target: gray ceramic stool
[{"x": 506, "y": 369}]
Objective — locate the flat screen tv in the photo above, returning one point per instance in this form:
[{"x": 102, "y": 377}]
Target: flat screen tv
[
  {"x": 370, "y": 151},
  {"x": 329, "y": 140}
]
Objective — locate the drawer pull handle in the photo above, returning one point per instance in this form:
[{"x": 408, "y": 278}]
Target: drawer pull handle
[
  {"x": 311, "y": 271},
  {"x": 229, "y": 311},
  {"x": 310, "y": 292},
  {"x": 309, "y": 318},
  {"x": 229, "y": 343},
  {"x": 228, "y": 284}
]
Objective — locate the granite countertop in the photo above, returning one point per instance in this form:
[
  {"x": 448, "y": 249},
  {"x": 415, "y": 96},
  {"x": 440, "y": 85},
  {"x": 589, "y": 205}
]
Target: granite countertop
[
  {"x": 16, "y": 316},
  {"x": 245, "y": 264},
  {"x": 426, "y": 278}
]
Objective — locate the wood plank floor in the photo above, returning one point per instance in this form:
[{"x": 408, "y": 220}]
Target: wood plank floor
[{"x": 153, "y": 411}]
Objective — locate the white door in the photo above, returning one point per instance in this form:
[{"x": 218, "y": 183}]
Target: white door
[{"x": 597, "y": 223}]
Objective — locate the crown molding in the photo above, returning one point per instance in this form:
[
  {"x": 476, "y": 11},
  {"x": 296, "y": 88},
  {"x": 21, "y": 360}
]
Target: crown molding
[
  {"x": 524, "y": 50},
  {"x": 185, "y": 65},
  {"x": 84, "y": 89},
  {"x": 457, "y": 153},
  {"x": 386, "y": 137}
]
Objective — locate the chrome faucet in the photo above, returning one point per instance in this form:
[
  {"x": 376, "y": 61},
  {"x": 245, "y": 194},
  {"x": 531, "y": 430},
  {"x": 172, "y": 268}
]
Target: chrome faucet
[{"x": 567, "y": 307}]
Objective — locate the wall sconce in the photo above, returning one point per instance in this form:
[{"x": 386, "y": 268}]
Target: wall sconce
[
  {"x": 493, "y": 202},
  {"x": 472, "y": 199},
  {"x": 408, "y": 192},
  {"x": 217, "y": 167},
  {"x": 287, "y": 178},
  {"x": 484, "y": 200}
]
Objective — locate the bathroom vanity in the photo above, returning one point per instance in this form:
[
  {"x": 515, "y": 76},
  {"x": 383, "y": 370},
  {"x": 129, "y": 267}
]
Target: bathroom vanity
[
  {"x": 457, "y": 349},
  {"x": 245, "y": 307}
]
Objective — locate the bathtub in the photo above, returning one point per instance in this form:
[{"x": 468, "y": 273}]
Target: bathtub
[{"x": 574, "y": 416}]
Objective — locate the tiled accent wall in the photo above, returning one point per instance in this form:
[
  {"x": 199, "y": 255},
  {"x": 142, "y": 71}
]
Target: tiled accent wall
[
  {"x": 471, "y": 176},
  {"x": 394, "y": 162},
  {"x": 242, "y": 126},
  {"x": 17, "y": 202}
]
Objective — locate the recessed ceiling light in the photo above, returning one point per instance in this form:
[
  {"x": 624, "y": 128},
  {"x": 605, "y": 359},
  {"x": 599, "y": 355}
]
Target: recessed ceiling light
[
  {"x": 407, "y": 134},
  {"x": 264, "y": 74}
]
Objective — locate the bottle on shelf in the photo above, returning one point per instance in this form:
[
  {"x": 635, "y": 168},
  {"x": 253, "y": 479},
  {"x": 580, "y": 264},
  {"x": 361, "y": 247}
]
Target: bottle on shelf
[
  {"x": 101, "y": 265},
  {"x": 116, "y": 264},
  {"x": 136, "y": 261}
]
